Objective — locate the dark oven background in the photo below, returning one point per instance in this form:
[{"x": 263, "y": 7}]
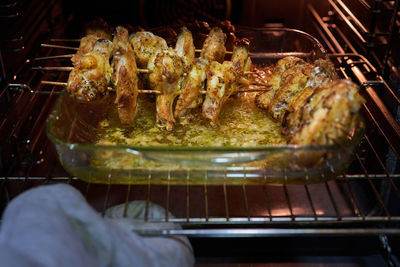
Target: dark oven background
[{"x": 354, "y": 218}]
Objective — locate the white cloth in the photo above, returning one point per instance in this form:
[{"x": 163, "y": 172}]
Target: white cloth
[{"x": 54, "y": 226}]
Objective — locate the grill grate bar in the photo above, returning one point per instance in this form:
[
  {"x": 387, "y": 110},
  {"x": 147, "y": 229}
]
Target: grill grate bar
[
  {"x": 106, "y": 199},
  {"x": 128, "y": 193},
  {"x": 378, "y": 197},
  {"x": 354, "y": 201},
  {"x": 187, "y": 196},
  {"x": 311, "y": 202},
  {"x": 226, "y": 199},
  {"x": 333, "y": 201},
  {"x": 168, "y": 196},
  {"x": 381, "y": 131},
  {"x": 246, "y": 204},
  {"x": 146, "y": 211},
  {"x": 267, "y": 203},
  {"x": 206, "y": 197},
  {"x": 287, "y": 197},
  {"x": 396, "y": 190},
  {"x": 87, "y": 190}
]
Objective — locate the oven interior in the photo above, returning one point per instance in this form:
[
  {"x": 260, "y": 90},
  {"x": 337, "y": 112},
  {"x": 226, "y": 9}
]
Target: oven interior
[{"x": 355, "y": 214}]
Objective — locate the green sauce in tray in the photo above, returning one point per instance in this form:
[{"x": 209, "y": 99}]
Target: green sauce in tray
[{"x": 241, "y": 124}]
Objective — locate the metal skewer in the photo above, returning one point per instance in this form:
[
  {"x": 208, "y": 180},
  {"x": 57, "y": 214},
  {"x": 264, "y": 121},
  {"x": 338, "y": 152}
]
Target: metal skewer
[
  {"x": 65, "y": 40},
  {"x": 71, "y": 68},
  {"x": 54, "y": 68},
  {"x": 158, "y": 92},
  {"x": 199, "y": 51},
  {"x": 65, "y": 84},
  {"x": 76, "y": 48},
  {"x": 60, "y": 46},
  {"x": 54, "y": 57}
]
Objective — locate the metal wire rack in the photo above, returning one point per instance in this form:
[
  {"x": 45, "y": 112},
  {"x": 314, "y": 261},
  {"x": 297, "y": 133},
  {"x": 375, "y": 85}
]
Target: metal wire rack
[{"x": 362, "y": 201}]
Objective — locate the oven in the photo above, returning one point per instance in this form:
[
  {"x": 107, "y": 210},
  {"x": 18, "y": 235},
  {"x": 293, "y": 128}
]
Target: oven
[{"x": 353, "y": 219}]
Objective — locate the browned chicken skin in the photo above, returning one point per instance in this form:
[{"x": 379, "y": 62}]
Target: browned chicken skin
[
  {"x": 214, "y": 46},
  {"x": 313, "y": 106},
  {"x": 87, "y": 43},
  {"x": 240, "y": 57},
  {"x": 291, "y": 81},
  {"x": 323, "y": 71},
  {"x": 291, "y": 86},
  {"x": 329, "y": 114},
  {"x": 193, "y": 83},
  {"x": 185, "y": 48},
  {"x": 125, "y": 79},
  {"x": 146, "y": 45},
  {"x": 166, "y": 76},
  {"x": 283, "y": 68},
  {"x": 92, "y": 72},
  {"x": 223, "y": 80},
  {"x": 220, "y": 79}
]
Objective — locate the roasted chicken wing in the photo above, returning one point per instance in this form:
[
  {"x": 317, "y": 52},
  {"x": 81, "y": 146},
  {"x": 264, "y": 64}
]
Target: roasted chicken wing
[
  {"x": 323, "y": 71},
  {"x": 166, "y": 76},
  {"x": 125, "y": 79},
  {"x": 220, "y": 81},
  {"x": 240, "y": 57},
  {"x": 145, "y": 45},
  {"x": 87, "y": 43},
  {"x": 214, "y": 46},
  {"x": 291, "y": 81},
  {"x": 329, "y": 114},
  {"x": 94, "y": 30},
  {"x": 281, "y": 71},
  {"x": 291, "y": 86},
  {"x": 223, "y": 80},
  {"x": 185, "y": 48},
  {"x": 193, "y": 83},
  {"x": 92, "y": 72}
]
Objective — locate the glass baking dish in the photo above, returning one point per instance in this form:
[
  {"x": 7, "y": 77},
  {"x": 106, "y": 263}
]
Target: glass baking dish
[{"x": 72, "y": 127}]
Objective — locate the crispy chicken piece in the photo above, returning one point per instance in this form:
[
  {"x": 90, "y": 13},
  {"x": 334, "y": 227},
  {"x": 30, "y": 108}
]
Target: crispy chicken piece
[
  {"x": 292, "y": 86},
  {"x": 240, "y": 56},
  {"x": 166, "y": 76},
  {"x": 241, "y": 61},
  {"x": 145, "y": 45},
  {"x": 329, "y": 115},
  {"x": 283, "y": 68},
  {"x": 87, "y": 43},
  {"x": 185, "y": 48},
  {"x": 220, "y": 85},
  {"x": 214, "y": 46},
  {"x": 322, "y": 72},
  {"x": 94, "y": 30},
  {"x": 223, "y": 80},
  {"x": 190, "y": 96},
  {"x": 92, "y": 73},
  {"x": 125, "y": 79}
]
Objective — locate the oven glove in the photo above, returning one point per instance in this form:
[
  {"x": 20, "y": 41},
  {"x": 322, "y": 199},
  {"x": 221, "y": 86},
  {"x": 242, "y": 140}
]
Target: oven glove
[
  {"x": 135, "y": 216},
  {"x": 55, "y": 226}
]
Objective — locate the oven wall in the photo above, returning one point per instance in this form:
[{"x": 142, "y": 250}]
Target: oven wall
[{"x": 286, "y": 13}]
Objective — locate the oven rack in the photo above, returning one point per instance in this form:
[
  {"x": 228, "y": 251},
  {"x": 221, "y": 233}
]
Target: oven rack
[
  {"x": 281, "y": 210},
  {"x": 374, "y": 40},
  {"x": 362, "y": 201}
]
